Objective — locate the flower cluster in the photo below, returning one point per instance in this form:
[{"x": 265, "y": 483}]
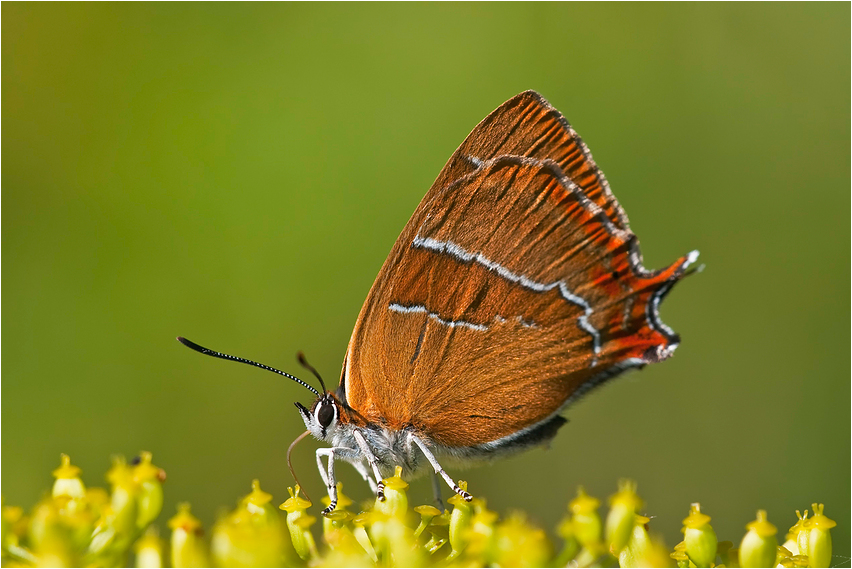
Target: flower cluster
[{"x": 79, "y": 526}]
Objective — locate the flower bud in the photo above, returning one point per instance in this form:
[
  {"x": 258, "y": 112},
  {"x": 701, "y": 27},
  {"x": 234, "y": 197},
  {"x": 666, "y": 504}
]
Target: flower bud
[
  {"x": 622, "y": 515},
  {"x": 187, "y": 549},
  {"x": 679, "y": 555},
  {"x": 426, "y": 514},
  {"x": 360, "y": 533},
  {"x": 394, "y": 541},
  {"x": 97, "y": 499},
  {"x": 104, "y": 534},
  {"x": 439, "y": 532},
  {"x": 396, "y": 500},
  {"x": 338, "y": 535},
  {"x": 699, "y": 537},
  {"x": 332, "y": 522},
  {"x": 60, "y": 530},
  {"x": 257, "y": 505},
  {"x": 124, "y": 499},
  {"x": 792, "y": 538},
  {"x": 150, "y": 497},
  {"x": 149, "y": 549},
  {"x": 12, "y": 517},
  {"x": 758, "y": 547},
  {"x": 565, "y": 530},
  {"x": 300, "y": 533},
  {"x": 381, "y": 533},
  {"x": 482, "y": 532},
  {"x": 14, "y": 529},
  {"x": 68, "y": 481},
  {"x": 344, "y": 548},
  {"x": 639, "y": 546},
  {"x": 519, "y": 544},
  {"x": 55, "y": 548},
  {"x": 460, "y": 520},
  {"x": 585, "y": 521},
  {"x": 249, "y": 536},
  {"x": 802, "y": 535},
  {"x": 783, "y": 557},
  {"x": 819, "y": 538}
]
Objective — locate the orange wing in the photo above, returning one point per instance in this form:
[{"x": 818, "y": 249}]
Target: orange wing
[
  {"x": 527, "y": 125},
  {"x": 511, "y": 290}
]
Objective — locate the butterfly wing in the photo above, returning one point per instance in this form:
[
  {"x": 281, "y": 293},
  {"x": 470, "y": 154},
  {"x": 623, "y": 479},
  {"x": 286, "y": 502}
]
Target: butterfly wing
[
  {"x": 527, "y": 125},
  {"x": 510, "y": 291}
]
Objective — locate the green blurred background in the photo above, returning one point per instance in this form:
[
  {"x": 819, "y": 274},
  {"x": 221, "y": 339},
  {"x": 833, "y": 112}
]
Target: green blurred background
[{"x": 237, "y": 173}]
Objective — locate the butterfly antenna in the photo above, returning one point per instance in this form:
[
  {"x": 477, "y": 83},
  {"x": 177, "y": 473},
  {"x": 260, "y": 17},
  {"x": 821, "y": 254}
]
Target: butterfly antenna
[
  {"x": 290, "y": 464},
  {"x": 215, "y": 354},
  {"x": 309, "y": 367}
]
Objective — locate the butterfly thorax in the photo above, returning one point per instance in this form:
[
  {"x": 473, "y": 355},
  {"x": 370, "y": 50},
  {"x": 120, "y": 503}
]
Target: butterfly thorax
[
  {"x": 334, "y": 422},
  {"x": 391, "y": 448}
]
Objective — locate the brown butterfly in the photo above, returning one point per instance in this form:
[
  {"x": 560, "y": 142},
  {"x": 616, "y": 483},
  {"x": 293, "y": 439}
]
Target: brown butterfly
[{"x": 515, "y": 288}]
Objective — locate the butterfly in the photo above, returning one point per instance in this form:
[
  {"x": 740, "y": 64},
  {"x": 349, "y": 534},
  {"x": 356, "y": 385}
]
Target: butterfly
[{"x": 515, "y": 288}]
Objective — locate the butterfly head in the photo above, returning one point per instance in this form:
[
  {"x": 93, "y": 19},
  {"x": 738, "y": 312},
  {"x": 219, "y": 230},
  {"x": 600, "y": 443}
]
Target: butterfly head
[{"x": 323, "y": 418}]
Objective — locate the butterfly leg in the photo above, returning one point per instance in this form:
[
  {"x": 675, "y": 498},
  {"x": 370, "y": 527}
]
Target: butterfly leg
[
  {"x": 365, "y": 474},
  {"x": 439, "y": 470},
  {"x": 436, "y": 491},
  {"x": 371, "y": 458},
  {"x": 329, "y": 479}
]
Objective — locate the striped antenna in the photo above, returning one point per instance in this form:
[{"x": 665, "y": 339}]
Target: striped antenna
[{"x": 215, "y": 354}]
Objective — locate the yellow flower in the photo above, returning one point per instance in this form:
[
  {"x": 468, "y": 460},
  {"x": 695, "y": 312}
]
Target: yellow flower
[
  {"x": 79, "y": 526},
  {"x": 819, "y": 538},
  {"x": 124, "y": 500},
  {"x": 426, "y": 514},
  {"x": 586, "y": 523},
  {"x": 150, "y": 495},
  {"x": 149, "y": 549},
  {"x": 68, "y": 482},
  {"x": 396, "y": 499},
  {"x": 460, "y": 519},
  {"x": 519, "y": 544},
  {"x": 187, "y": 549},
  {"x": 699, "y": 537},
  {"x": 332, "y": 522},
  {"x": 758, "y": 547},
  {"x": 250, "y": 535},
  {"x": 360, "y": 532},
  {"x": 792, "y": 538},
  {"x": 802, "y": 534},
  {"x": 393, "y": 540},
  {"x": 621, "y": 517},
  {"x": 679, "y": 555},
  {"x": 638, "y": 546},
  {"x": 482, "y": 531},
  {"x": 299, "y": 523},
  {"x": 439, "y": 531}
]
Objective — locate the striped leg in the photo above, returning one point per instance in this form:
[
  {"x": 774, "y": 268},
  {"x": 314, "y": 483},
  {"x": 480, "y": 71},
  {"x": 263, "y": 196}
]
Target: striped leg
[
  {"x": 329, "y": 479},
  {"x": 440, "y": 471},
  {"x": 371, "y": 458}
]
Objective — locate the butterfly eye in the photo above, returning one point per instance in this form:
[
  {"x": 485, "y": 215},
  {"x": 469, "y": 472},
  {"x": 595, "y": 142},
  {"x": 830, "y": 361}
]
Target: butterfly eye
[{"x": 325, "y": 415}]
